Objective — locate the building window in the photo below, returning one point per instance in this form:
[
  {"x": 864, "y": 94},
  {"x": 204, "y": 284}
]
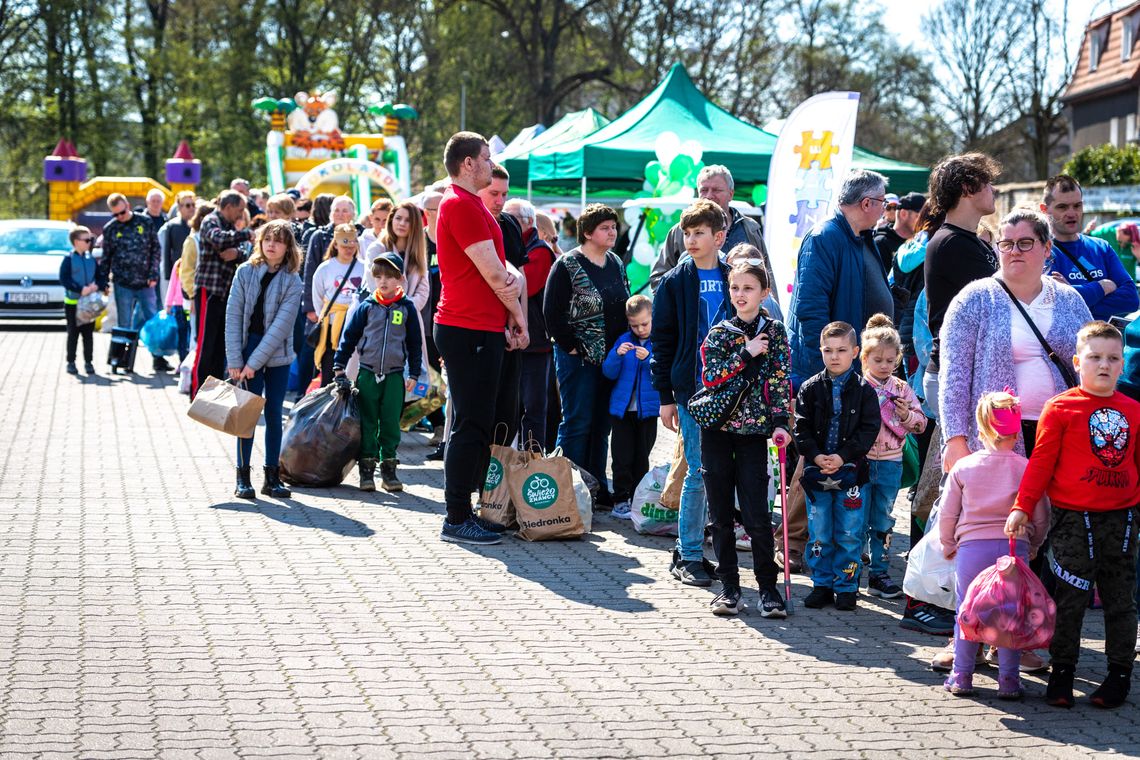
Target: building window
[
  {"x": 1097, "y": 38},
  {"x": 1127, "y": 30},
  {"x": 1114, "y": 131},
  {"x": 1130, "y": 128}
]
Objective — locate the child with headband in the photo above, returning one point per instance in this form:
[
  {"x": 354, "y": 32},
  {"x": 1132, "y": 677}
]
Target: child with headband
[{"x": 980, "y": 490}]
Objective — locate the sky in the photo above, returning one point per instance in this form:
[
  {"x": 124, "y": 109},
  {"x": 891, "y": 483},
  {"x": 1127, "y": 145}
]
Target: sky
[{"x": 904, "y": 18}]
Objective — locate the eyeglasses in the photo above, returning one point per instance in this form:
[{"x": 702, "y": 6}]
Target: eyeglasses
[
  {"x": 1023, "y": 244},
  {"x": 882, "y": 200},
  {"x": 187, "y": 205},
  {"x": 119, "y": 214}
]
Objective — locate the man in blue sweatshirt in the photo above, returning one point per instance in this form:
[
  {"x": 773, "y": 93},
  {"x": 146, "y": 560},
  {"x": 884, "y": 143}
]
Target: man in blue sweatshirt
[{"x": 1086, "y": 263}]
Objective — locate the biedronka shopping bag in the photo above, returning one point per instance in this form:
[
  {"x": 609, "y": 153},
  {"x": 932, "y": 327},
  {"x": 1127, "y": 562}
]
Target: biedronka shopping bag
[
  {"x": 551, "y": 499},
  {"x": 495, "y": 503}
]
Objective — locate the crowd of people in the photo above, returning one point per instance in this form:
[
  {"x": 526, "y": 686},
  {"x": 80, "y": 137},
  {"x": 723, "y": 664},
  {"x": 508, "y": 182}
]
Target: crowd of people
[{"x": 915, "y": 326}]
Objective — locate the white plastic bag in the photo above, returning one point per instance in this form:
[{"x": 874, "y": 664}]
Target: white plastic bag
[
  {"x": 929, "y": 576},
  {"x": 646, "y": 512},
  {"x": 185, "y": 370}
]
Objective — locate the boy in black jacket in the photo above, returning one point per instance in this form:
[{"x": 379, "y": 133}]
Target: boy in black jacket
[{"x": 837, "y": 421}]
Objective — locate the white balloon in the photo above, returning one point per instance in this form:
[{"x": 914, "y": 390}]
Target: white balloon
[
  {"x": 632, "y": 214},
  {"x": 274, "y": 139},
  {"x": 687, "y": 193},
  {"x": 667, "y": 147},
  {"x": 643, "y": 251},
  {"x": 692, "y": 149}
]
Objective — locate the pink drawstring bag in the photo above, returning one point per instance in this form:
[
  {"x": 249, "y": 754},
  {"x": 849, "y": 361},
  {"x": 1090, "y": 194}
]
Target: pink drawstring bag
[{"x": 1007, "y": 606}]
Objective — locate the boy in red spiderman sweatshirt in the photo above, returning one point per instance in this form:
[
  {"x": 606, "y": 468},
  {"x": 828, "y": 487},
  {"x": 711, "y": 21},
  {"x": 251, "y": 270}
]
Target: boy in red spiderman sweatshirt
[{"x": 1087, "y": 461}]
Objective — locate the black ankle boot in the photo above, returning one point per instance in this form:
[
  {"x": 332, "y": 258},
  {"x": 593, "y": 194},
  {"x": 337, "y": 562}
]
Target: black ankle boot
[
  {"x": 244, "y": 489},
  {"x": 273, "y": 485},
  {"x": 1059, "y": 692},
  {"x": 1114, "y": 691}
]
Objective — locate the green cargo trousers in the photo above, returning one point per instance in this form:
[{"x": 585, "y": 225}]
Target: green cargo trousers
[{"x": 380, "y": 400}]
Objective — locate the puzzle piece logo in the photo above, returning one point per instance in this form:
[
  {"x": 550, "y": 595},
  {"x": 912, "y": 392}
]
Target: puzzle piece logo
[
  {"x": 815, "y": 185},
  {"x": 814, "y": 150},
  {"x": 808, "y": 214}
]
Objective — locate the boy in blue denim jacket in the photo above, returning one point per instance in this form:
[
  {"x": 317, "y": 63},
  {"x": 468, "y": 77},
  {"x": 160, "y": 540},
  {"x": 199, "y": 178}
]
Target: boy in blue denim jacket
[{"x": 634, "y": 403}]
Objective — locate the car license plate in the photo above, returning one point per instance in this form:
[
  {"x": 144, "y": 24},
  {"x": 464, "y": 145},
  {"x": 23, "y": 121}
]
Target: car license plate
[{"x": 32, "y": 297}]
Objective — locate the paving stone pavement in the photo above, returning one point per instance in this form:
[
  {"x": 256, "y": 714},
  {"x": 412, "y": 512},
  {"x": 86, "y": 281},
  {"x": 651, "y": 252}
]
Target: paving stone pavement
[{"x": 147, "y": 614}]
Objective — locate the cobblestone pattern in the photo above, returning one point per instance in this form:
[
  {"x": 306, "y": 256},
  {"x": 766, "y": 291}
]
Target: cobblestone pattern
[{"x": 148, "y": 614}]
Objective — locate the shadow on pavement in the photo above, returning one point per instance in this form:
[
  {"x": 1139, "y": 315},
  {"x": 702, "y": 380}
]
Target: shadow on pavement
[{"x": 292, "y": 512}]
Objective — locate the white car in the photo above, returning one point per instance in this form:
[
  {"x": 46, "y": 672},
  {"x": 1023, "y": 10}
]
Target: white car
[{"x": 31, "y": 252}]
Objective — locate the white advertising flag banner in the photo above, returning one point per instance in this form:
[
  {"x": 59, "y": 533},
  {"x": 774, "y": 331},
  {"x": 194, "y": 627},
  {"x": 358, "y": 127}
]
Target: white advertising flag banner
[{"x": 813, "y": 153}]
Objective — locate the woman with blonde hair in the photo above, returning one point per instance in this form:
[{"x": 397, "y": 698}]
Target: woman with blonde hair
[{"x": 264, "y": 301}]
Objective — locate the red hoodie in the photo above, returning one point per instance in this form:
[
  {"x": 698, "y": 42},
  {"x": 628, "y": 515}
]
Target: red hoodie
[{"x": 1086, "y": 457}]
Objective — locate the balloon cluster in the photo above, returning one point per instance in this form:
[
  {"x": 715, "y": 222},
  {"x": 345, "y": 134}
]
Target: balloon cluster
[{"x": 672, "y": 176}]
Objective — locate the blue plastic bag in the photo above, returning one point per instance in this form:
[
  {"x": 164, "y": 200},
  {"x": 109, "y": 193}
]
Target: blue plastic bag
[{"x": 160, "y": 334}]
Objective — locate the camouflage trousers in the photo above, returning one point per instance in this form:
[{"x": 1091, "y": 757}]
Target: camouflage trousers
[{"x": 1095, "y": 549}]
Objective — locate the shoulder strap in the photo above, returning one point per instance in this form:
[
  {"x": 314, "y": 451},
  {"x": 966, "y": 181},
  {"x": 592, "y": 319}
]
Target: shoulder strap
[
  {"x": 343, "y": 280},
  {"x": 1076, "y": 263},
  {"x": 1065, "y": 370}
]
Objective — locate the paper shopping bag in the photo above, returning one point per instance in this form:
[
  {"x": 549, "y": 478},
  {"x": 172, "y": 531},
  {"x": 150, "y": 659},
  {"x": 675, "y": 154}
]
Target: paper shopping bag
[
  {"x": 227, "y": 408},
  {"x": 671, "y": 496},
  {"x": 545, "y": 499}
]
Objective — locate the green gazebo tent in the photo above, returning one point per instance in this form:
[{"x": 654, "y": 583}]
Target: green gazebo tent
[{"x": 569, "y": 129}]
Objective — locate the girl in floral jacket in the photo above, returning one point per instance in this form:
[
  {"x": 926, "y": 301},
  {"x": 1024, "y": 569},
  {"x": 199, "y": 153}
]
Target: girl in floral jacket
[{"x": 749, "y": 355}]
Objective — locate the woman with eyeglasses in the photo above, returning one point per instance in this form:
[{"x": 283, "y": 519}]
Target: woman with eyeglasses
[
  {"x": 990, "y": 337},
  {"x": 79, "y": 275}
]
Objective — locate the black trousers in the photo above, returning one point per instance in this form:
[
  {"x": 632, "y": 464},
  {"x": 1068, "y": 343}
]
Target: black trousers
[
  {"x": 737, "y": 465},
  {"x": 474, "y": 360},
  {"x": 1095, "y": 548},
  {"x": 631, "y": 440},
  {"x": 507, "y": 395},
  {"x": 534, "y": 392},
  {"x": 210, "y": 311},
  {"x": 74, "y": 331}
]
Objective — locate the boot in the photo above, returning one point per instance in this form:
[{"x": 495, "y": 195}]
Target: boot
[
  {"x": 367, "y": 474},
  {"x": 244, "y": 489},
  {"x": 388, "y": 479},
  {"x": 72, "y": 369},
  {"x": 1114, "y": 691},
  {"x": 1059, "y": 692},
  {"x": 273, "y": 485}
]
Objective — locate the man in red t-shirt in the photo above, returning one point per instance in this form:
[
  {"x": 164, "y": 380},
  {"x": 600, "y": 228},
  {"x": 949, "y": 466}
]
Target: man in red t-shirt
[{"x": 478, "y": 319}]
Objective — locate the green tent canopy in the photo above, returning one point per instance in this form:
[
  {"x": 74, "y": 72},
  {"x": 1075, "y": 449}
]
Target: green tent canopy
[
  {"x": 613, "y": 158},
  {"x": 569, "y": 129}
]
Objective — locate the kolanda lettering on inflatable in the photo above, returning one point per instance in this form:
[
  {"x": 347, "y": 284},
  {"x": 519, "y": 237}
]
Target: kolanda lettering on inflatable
[
  {"x": 341, "y": 168},
  {"x": 540, "y": 491},
  {"x": 494, "y": 475}
]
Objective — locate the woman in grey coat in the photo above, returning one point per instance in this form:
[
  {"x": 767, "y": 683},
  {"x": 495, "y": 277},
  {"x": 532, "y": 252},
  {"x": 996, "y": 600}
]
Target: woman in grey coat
[
  {"x": 987, "y": 345},
  {"x": 264, "y": 301}
]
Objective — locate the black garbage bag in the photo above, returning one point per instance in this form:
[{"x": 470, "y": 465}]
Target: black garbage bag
[{"x": 321, "y": 440}]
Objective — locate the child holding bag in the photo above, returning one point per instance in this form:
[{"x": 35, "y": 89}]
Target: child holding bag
[
  {"x": 901, "y": 413},
  {"x": 748, "y": 358},
  {"x": 975, "y": 503}
]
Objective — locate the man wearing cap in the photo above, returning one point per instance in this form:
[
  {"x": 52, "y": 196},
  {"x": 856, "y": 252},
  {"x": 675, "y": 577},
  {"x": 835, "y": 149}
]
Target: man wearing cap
[
  {"x": 889, "y": 210},
  {"x": 387, "y": 331},
  {"x": 479, "y": 318}
]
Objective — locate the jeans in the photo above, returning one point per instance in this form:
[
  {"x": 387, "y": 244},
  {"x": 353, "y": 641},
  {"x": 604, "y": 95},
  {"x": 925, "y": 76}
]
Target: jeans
[
  {"x": 75, "y": 331},
  {"x": 534, "y": 391},
  {"x": 736, "y": 465},
  {"x": 125, "y": 300},
  {"x": 693, "y": 513},
  {"x": 585, "y": 429},
  {"x": 879, "y": 497},
  {"x": 973, "y": 557},
  {"x": 835, "y": 524},
  {"x": 179, "y": 314},
  {"x": 272, "y": 382},
  {"x": 471, "y": 356},
  {"x": 930, "y": 391}
]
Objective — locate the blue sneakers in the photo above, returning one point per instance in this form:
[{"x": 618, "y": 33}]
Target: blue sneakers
[{"x": 468, "y": 532}]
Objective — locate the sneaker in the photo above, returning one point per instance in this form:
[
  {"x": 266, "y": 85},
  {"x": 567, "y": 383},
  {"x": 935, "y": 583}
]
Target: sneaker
[
  {"x": 943, "y": 662},
  {"x": 468, "y": 532},
  {"x": 820, "y": 597},
  {"x": 882, "y": 586},
  {"x": 161, "y": 365},
  {"x": 846, "y": 600},
  {"x": 727, "y": 602},
  {"x": 621, "y": 510},
  {"x": 692, "y": 573},
  {"x": 436, "y": 437},
  {"x": 72, "y": 369},
  {"x": 437, "y": 455},
  {"x": 772, "y": 603},
  {"x": 743, "y": 540},
  {"x": 1114, "y": 691},
  {"x": 675, "y": 561},
  {"x": 1031, "y": 662},
  {"x": 489, "y": 526},
  {"x": 926, "y": 618},
  {"x": 960, "y": 684},
  {"x": 1009, "y": 687},
  {"x": 89, "y": 368}
]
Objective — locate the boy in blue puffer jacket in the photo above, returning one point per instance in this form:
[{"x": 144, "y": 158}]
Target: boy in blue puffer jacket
[{"x": 634, "y": 403}]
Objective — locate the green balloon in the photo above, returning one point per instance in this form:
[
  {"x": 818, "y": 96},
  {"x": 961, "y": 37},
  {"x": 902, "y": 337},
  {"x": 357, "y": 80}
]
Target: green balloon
[
  {"x": 659, "y": 230},
  {"x": 638, "y": 275},
  {"x": 691, "y": 180},
  {"x": 680, "y": 168},
  {"x": 672, "y": 187},
  {"x": 759, "y": 195},
  {"x": 653, "y": 172}
]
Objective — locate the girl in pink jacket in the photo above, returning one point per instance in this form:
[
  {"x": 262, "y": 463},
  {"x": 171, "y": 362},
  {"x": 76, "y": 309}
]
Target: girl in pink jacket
[{"x": 901, "y": 413}]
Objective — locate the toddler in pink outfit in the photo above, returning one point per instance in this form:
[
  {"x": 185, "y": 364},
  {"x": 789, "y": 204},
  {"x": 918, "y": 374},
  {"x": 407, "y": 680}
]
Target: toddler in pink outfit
[{"x": 979, "y": 492}]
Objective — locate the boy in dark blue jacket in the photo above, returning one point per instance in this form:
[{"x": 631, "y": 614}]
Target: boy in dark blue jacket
[
  {"x": 79, "y": 275},
  {"x": 634, "y": 404}
]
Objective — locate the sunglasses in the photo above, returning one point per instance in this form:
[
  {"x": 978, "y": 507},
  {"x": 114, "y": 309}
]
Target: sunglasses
[
  {"x": 83, "y": 240},
  {"x": 119, "y": 214}
]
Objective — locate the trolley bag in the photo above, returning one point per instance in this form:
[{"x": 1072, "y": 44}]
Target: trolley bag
[
  {"x": 321, "y": 439},
  {"x": 124, "y": 346}
]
